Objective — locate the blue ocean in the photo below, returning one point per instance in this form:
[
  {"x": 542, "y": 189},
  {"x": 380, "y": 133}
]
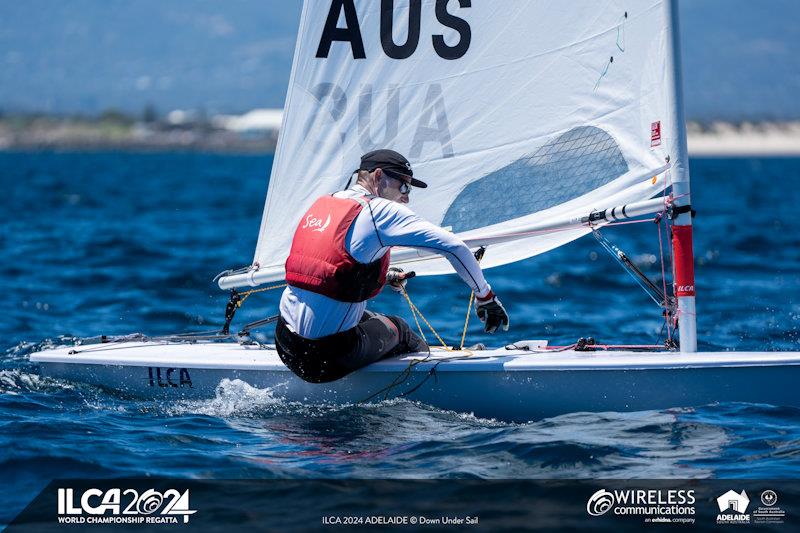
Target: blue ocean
[{"x": 115, "y": 243}]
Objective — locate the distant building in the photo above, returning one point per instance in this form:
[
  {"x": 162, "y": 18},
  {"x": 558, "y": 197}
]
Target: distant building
[
  {"x": 257, "y": 121},
  {"x": 179, "y": 117}
]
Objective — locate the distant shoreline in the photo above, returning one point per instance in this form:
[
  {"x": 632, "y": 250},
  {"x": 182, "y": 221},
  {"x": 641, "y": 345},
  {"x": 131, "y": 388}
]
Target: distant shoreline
[
  {"x": 244, "y": 150},
  {"x": 745, "y": 140},
  {"x": 52, "y": 134},
  {"x": 117, "y": 132}
]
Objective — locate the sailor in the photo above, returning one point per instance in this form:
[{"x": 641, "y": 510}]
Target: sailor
[{"x": 339, "y": 259}]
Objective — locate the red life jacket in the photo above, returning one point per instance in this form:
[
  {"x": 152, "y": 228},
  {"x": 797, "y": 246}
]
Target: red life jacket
[{"x": 319, "y": 261}]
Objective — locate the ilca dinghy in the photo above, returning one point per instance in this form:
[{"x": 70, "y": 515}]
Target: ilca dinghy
[{"x": 558, "y": 120}]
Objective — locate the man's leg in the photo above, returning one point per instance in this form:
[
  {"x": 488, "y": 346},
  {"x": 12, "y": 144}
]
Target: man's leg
[
  {"x": 382, "y": 336},
  {"x": 410, "y": 342},
  {"x": 314, "y": 360}
]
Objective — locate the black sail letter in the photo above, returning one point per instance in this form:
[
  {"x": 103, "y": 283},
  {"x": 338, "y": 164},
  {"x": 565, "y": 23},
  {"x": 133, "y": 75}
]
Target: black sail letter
[
  {"x": 350, "y": 33},
  {"x": 387, "y": 23},
  {"x": 458, "y": 24}
]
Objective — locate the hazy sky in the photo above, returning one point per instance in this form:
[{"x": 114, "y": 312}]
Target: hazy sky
[{"x": 741, "y": 57}]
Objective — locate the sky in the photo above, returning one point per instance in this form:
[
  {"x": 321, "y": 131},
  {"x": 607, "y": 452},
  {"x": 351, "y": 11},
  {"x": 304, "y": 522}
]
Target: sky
[{"x": 741, "y": 58}]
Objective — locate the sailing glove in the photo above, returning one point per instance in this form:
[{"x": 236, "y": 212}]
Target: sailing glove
[
  {"x": 396, "y": 278},
  {"x": 492, "y": 313}
]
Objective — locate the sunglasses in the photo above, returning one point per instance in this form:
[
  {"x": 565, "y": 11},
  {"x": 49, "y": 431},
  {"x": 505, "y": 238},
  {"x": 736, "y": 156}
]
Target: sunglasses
[{"x": 405, "y": 187}]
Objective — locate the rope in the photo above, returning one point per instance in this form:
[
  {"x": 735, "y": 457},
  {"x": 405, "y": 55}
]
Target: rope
[
  {"x": 116, "y": 342},
  {"x": 245, "y": 295},
  {"x": 608, "y": 247},
  {"x": 466, "y": 321},
  {"x": 419, "y": 328},
  {"x": 669, "y": 199},
  {"x": 175, "y": 337},
  {"x": 415, "y": 311},
  {"x": 399, "y": 379},
  {"x": 664, "y": 282},
  {"x": 678, "y": 311},
  {"x": 405, "y": 374},
  {"x": 627, "y": 222}
]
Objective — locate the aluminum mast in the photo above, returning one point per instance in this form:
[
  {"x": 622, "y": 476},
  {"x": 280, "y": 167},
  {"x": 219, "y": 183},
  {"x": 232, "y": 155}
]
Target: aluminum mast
[{"x": 683, "y": 266}]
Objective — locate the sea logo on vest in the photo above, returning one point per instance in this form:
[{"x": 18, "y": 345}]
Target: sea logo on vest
[
  {"x": 733, "y": 508},
  {"x": 316, "y": 224}
]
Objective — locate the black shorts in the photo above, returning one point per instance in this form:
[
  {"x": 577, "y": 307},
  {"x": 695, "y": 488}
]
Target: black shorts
[{"x": 333, "y": 357}]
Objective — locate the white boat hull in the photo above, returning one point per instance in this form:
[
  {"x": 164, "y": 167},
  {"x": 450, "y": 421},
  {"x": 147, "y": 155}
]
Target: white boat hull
[{"x": 503, "y": 384}]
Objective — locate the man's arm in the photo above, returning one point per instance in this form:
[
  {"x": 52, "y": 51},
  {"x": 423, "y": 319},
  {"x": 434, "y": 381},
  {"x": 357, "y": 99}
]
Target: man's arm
[{"x": 396, "y": 225}]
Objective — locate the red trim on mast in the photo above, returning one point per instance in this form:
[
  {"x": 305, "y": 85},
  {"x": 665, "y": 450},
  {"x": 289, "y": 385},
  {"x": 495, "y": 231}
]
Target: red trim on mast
[{"x": 684, "y": 260}]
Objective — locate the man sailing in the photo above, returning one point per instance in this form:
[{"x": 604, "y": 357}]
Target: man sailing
[{"x": 340, "y": 259}]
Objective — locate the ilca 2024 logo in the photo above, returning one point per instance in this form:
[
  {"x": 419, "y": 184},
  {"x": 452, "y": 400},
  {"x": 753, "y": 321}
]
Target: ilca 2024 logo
[{"x": 128, "y": 506}]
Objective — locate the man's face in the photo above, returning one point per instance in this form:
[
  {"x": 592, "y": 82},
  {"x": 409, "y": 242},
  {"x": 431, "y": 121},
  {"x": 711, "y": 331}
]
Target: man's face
[{"x": 389, "y": 187}]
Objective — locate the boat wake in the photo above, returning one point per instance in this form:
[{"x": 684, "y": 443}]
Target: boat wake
[{"x": 233, "y": 398}]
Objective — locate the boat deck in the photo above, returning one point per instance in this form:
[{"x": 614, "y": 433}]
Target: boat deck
[{"x": 252, "y": 357}]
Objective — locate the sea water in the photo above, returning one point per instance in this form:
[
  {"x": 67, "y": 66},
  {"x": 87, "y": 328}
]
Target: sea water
[{"x": 114, "y": 243}]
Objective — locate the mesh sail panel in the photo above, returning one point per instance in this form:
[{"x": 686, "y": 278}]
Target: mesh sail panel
[{"x": 573, "y": 164}]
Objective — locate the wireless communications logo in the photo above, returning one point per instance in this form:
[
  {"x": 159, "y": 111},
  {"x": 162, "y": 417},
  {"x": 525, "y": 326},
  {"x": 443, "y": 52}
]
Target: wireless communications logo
[
  {"x": 653, "y": 505},
  {"x": 600, "y": 502},
  {"x": 128, "y": 506}
]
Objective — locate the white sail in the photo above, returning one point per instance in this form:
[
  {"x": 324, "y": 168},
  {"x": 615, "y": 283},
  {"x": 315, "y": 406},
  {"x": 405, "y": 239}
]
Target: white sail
[{"x": 514, "y": 112}]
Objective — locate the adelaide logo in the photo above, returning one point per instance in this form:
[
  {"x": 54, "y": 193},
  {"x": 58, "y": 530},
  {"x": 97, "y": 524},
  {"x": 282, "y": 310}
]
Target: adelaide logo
[
  {"x": 600, "y": 502},
  {"x": 733, "y": 508}
]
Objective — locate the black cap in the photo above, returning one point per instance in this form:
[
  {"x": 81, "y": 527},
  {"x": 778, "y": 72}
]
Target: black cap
[{"x": 394, "y": 164}]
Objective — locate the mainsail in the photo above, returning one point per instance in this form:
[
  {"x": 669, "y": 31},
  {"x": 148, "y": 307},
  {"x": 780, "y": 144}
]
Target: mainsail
[{"x": 517, "y": 113}]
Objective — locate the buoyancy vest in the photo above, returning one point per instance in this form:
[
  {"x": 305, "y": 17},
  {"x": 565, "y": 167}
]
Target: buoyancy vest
[{"x": 319, "y": 260}]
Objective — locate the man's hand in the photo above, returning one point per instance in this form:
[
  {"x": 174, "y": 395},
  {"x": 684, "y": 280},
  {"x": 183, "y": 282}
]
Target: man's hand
[
  {"x": 396, "y": 278},
  {"x": 492, "y": 313}
]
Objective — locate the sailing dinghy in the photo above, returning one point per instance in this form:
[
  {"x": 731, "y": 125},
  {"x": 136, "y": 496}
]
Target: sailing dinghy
[{"x": 555, "y": 120}]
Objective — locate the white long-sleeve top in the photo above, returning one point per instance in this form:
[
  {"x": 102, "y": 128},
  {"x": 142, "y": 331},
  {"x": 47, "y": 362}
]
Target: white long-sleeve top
[{"x": 378, "y": 227}]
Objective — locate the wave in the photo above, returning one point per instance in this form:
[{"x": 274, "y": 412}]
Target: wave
[{"x": 18, "y": 381}]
